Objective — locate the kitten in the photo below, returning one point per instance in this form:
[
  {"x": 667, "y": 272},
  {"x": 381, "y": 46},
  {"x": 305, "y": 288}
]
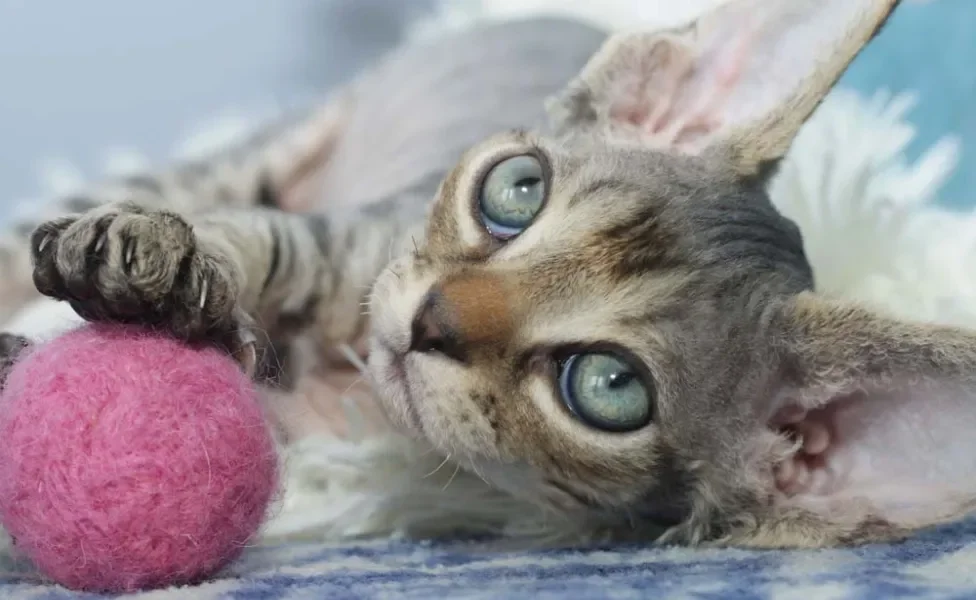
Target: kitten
[{"x": 605, "y": 315}]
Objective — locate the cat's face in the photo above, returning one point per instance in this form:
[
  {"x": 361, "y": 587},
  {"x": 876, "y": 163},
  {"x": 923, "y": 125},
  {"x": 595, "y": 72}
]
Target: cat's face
[
  {"x": 613, "y": 319},
  {"x": 577, "y": 314}
]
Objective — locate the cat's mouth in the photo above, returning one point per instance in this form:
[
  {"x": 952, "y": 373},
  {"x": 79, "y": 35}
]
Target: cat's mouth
[{"x": 389, "y": 375}]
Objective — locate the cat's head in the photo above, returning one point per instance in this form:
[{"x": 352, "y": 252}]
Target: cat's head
[{"x": 611, "y": 318}]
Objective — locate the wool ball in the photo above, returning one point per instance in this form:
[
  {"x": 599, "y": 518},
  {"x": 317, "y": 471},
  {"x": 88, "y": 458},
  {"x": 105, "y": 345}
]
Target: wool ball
[{"x": 130, "y": 461}]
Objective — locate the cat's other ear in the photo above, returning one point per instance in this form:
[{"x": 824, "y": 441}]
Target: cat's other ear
[
  {"x": 740, "y": 81},
  {"x": 892, "y": 403}
]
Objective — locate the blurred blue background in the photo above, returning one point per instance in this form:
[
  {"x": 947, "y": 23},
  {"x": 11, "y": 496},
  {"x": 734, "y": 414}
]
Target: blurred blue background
[
  {"x": 930, "y": 48},
  {"x": 78, "y": 77}
]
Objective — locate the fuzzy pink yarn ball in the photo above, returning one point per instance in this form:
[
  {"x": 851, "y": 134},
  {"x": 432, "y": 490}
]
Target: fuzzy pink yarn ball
[{"x": 131, "y": 461}]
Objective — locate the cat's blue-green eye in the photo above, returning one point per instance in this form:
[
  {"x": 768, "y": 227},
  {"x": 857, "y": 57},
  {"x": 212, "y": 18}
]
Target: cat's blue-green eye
[
  {"x": 605, "y": 391},
  {"x": 512, "y": 195}
]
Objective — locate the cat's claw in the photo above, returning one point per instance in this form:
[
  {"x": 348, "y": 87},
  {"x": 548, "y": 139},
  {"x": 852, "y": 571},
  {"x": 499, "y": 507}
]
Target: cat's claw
[
  {"x": 122, "y": 263},
  {"x": 11, "y": 348}
]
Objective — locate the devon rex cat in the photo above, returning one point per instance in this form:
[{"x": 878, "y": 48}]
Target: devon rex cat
[{"x": 604, "y": 315}]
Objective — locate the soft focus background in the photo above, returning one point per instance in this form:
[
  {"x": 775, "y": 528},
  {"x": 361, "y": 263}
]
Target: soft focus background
[{"x": 81, "y": 79}]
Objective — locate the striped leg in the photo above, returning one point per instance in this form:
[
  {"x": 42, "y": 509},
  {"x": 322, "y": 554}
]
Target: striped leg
[
  {"x": 211, "y": 276},
  {"x": 265, "y": 169}
]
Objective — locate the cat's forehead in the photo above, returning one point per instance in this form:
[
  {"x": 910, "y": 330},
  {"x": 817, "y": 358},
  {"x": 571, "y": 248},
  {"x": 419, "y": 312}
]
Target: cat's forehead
[
  {"x": 627, "y": 237},
  {"x": 624, "y": 209},
  {"x": 655, "y": 172},
  {"x": 599, "y": 183}
]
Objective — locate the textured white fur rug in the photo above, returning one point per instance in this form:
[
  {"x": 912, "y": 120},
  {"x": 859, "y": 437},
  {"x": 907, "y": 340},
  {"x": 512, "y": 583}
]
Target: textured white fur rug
[{"x": 872, "y": 230}]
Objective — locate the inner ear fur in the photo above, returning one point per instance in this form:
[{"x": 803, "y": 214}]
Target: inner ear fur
[
  {"x": 738, "y": 82},
  {"x": 896, "y": 402}
]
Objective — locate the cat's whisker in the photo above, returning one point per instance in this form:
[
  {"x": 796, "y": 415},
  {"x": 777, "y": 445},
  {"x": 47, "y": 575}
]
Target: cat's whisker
[
  {"x": 457, "y": 469},
  {"x": 354, "y": 359},
  {"x": 265, "y": 339},
  {"x": 427, "y": 452},
  {"x": 352, "y": 385},
  {"x": 480, "y": 476},
  {"x": 439, "y": 467}
]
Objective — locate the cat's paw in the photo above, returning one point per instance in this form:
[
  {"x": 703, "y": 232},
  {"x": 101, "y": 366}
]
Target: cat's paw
[
  {"x": 123, "y": 263},
  {"x": 11, "y": 347}
]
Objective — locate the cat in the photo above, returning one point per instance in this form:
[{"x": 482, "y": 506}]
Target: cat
[{"x": 577, "y": 286}]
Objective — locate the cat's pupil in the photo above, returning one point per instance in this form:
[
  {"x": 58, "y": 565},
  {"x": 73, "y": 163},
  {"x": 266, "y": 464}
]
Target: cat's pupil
[
  {"x": 619, "y": 380},
  {"x": 525, "y": 185}
]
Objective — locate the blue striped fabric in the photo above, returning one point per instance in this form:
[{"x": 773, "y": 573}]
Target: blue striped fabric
[{"x": 937, "y": 565}]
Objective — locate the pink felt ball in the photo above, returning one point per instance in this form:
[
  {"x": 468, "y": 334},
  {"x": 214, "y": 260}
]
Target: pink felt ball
[{"x": 131, "y": 461}]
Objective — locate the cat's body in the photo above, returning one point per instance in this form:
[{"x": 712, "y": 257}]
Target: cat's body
[
  {"x": 386, "y": 138},
  {"x": 605, "y": 316}
]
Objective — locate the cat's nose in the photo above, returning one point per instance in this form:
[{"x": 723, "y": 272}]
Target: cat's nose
[{"x": 430, "y": 331}]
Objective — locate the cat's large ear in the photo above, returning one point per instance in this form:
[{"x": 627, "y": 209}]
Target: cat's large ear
[
  {"x": 740, "y": 80},
  {"x": 886, "y": 411}
]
